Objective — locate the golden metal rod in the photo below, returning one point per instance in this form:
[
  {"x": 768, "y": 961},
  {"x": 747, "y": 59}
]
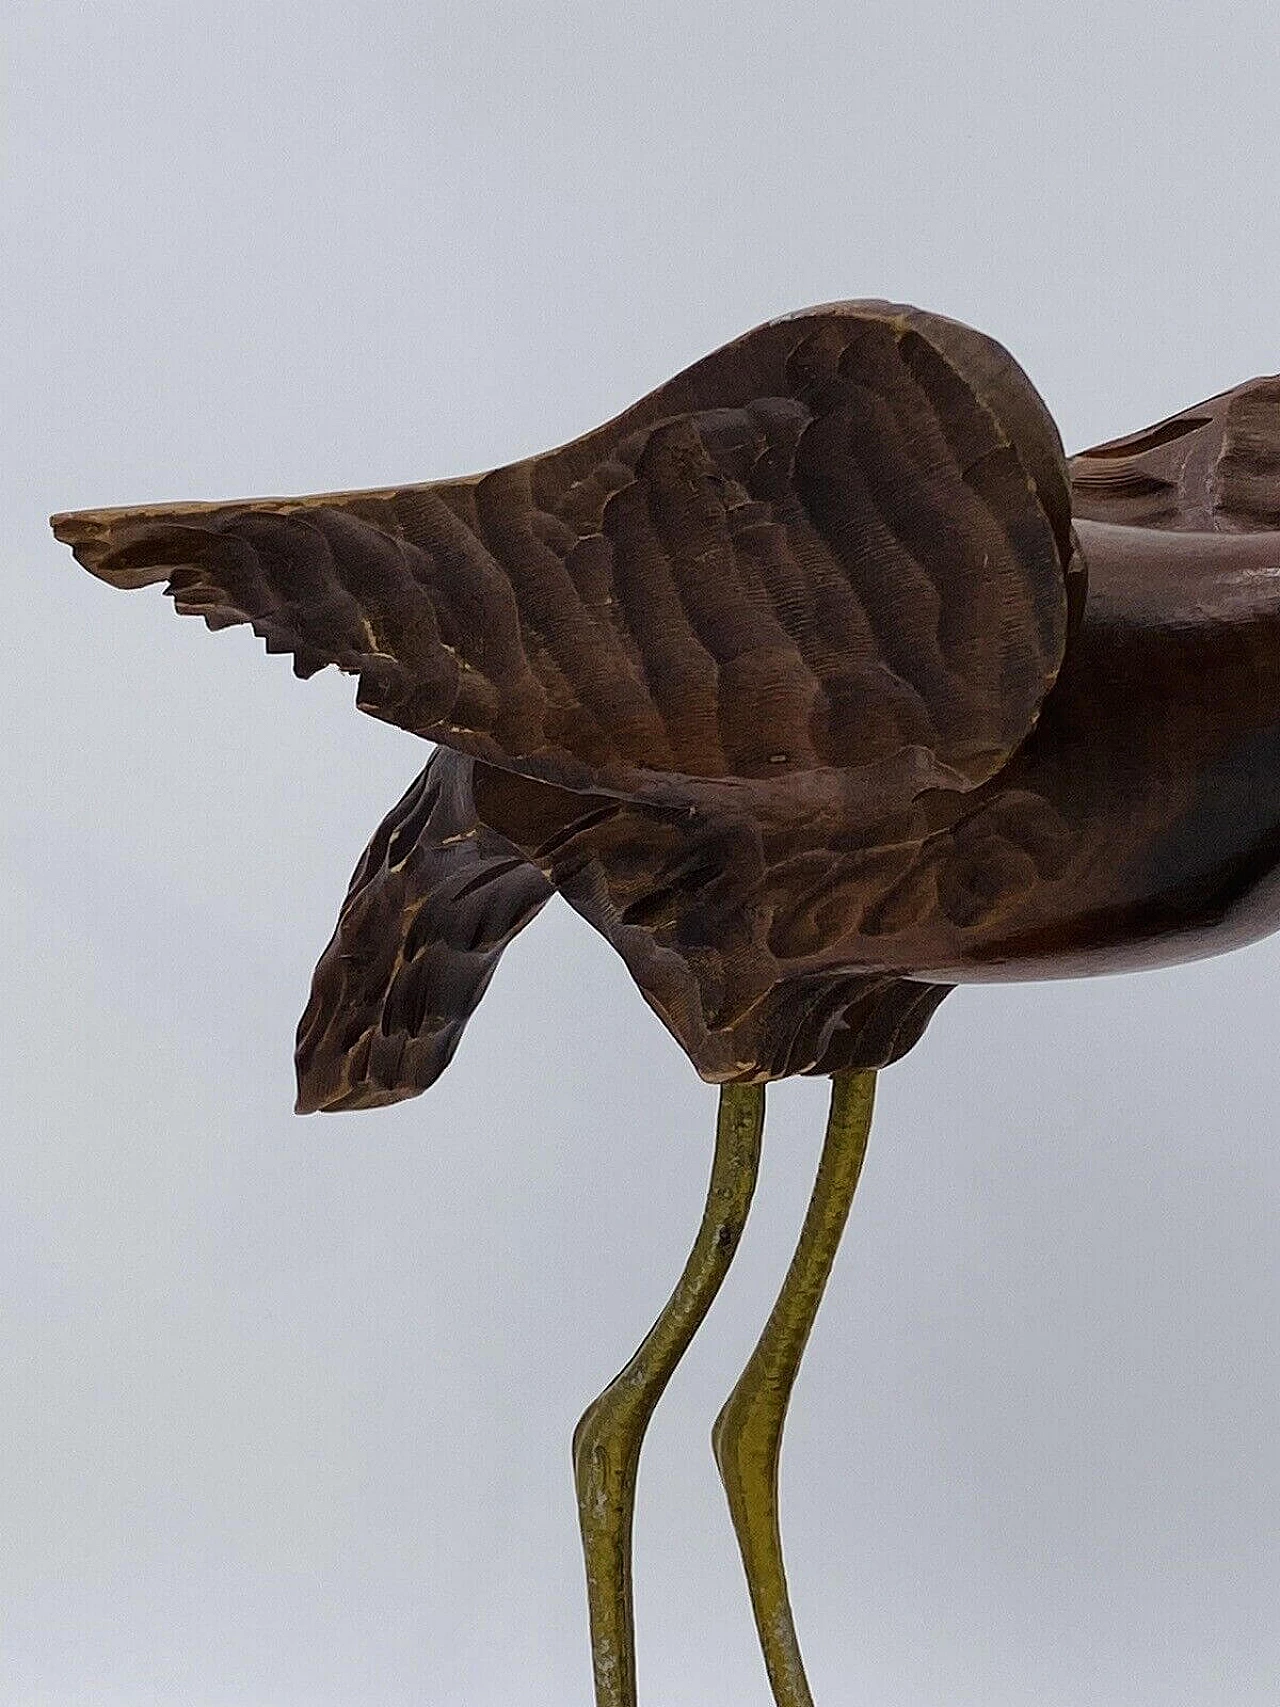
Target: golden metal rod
[
  {"x": 607, "y": 1440},
  {"x": 747, "y": 1437}
]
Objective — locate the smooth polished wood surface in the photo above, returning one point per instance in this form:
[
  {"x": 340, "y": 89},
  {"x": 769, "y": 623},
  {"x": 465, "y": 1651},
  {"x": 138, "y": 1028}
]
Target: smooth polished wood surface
[{"x": 789, "y": 681}]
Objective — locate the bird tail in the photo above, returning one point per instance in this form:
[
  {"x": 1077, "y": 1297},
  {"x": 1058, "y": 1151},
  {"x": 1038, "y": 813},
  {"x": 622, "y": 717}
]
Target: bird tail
[{"x": 432, "y": 905}]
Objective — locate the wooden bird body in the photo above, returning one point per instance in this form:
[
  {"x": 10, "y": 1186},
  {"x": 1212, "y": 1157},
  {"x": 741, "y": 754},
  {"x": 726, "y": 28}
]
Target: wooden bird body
[
  {"x": 790, "y": 682},
  {"x": 819, "y": 683},
  {"x": 1140, "y": 824}
]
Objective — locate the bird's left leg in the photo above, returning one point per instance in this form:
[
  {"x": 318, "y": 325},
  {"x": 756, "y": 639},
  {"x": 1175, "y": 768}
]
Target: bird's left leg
[
  {"x": 606, "y": 1442},
  {"x": 747, "y": 1436}
]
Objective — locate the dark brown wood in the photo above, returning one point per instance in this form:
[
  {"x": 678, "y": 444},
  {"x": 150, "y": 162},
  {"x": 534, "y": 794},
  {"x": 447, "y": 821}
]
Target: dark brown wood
[
  {"x": 788, "y": 681},
  {"x": 432, "y": 904}
]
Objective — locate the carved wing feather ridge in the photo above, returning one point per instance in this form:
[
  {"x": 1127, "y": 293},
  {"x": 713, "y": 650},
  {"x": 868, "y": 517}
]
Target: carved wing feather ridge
[
  {"x": 434, "y": 901},
  {"x": 842, "y": 542}
]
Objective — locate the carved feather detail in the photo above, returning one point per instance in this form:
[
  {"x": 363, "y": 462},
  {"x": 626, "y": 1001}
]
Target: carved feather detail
[
  {"x": 435, "y": 899},
  {"x": 796, "y": 605},
  {"x": 824, "y": 546}
]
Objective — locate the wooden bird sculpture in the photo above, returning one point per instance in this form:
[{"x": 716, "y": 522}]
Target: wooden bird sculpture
[{"x": 819, "y": 682}]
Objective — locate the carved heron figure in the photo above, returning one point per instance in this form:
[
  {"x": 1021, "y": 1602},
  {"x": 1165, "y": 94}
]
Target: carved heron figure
[{"x": 819, "y": 682}]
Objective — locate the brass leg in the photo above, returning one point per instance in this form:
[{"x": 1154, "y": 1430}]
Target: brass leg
[
  {"x": 747, "y": 1436},
  {"x": 607, "y": 1440}
]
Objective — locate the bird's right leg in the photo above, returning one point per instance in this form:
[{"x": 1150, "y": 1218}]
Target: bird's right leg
[
  {"x": 747, "y": 1436},
  {"x": 607, "y": 1440}
]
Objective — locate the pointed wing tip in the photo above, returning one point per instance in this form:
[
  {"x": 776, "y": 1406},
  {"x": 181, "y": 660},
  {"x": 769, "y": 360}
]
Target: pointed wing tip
[
  {"x": 135, "y": 545},
  {"x": 86, "y": 527},
  {"x": 97, "y": 538},
  {"x": 81, "y": 530}
]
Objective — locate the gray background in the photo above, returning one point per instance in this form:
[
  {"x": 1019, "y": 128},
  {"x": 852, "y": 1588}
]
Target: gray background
[{"x": 287, "y": 1403}]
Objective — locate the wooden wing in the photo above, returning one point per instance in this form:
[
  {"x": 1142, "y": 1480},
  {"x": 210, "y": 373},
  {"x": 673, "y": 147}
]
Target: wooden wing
[
  {"x": 842, "y": 541},
  {"x": 1212, "y": 468},
  {"x": 432, "y": 904}
]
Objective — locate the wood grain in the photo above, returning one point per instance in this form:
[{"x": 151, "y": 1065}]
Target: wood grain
[{"x": 793, "y": 681}]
